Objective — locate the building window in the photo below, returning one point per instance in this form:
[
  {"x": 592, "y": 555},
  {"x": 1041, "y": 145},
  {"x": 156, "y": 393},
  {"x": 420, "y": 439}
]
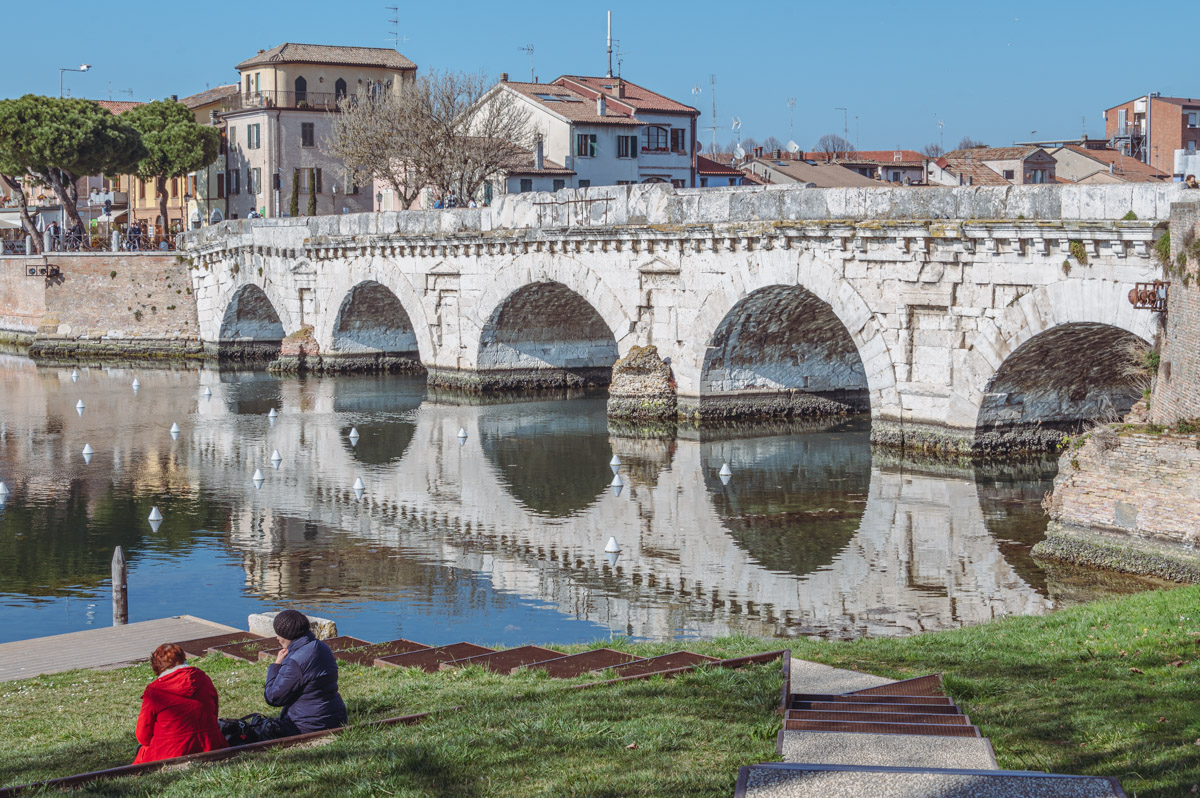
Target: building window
[
  {"x": 678, "y": 183},
  {"x": 585, "y": 145},
  {"x": 1191, "y": 145},
  {"x": 348, "y": 181},
  {"x": 559, "y": 183},
  {"x": 655, "y": 139},
  {"x": 626, "y": 146},
  {"x": 625, "y": 182},
  {"x": 895, "y": 177},
  {"x": 678, "y": 140},
  {"x": 234, "y": 180},
  {"x": 1193, "y": 119},
  {"x": 1009, "y": 174},
  {"x": 526, "y": 184},
  {"x": 254, "y": 181},
  {"x": 253, "y": 141},
  {"x": 584, "y": 183},
  {"x": 487, "y": 193},
  {"x": 301, "y": 90},
  {"x": 1037, "y": 176},
  {"x": 257, "y": 82},
  {"x": 704, "y": 182},
  {"x": 141, "y": 189},
  {"x": 232, "y": 137},
  {"x": 339, "y": 89},
  {"x": 307, "y": 136},
  {"x": 220, "y": 185}
]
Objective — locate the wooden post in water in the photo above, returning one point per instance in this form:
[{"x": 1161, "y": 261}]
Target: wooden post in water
[{"x": 120, "y": 589}]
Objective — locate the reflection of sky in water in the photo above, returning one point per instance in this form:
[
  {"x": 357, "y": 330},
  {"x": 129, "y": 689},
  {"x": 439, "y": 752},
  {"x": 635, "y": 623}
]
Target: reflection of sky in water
[{"x": 496, "y": 539}]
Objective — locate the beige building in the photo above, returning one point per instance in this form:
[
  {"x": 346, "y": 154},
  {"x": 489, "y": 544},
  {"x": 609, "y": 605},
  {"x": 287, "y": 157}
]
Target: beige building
[
  {"x": 1019, "y": 166},
  {"x": 279, "y": 117}
]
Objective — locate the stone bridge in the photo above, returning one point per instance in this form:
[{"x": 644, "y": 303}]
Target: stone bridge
[{"x": 964, "y": 319}]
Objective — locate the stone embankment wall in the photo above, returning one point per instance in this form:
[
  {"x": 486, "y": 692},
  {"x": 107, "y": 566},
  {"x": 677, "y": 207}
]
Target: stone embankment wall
[
  {"x": 1177, "y": 392},
  {"x": 1129, "y": 501},
  {"x": 22, "y": 301},
  {"x": 104, "y": 304}
]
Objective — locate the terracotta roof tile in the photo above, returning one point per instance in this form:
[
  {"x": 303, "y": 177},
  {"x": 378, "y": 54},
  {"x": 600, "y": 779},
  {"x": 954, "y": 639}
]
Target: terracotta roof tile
[
  {"x": 291, "y": 52},
  {"x": 1127, "y": 168},
  {"x": 118, "y": 107},
  {"x": 522, "y": 163},
  {"x": 972, "y": 171},
  {"x": 639, "y": 97},
  {"x": 823, "y": 175},
  {"x": 909, "y": 157},
  {"x": 994, "y": 153},
  {"x": 209, "y": 95},
  {"x": 705, "y": 166},
  {"x": 572, "y": 105}
]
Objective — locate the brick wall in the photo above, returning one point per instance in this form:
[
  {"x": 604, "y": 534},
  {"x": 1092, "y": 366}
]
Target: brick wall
[
  {"x": 108, "y": 300},
  {"x": 22, "y": 299},
  {"x": 1136, "y": 484},
  {"x": 1177, "y": 394}
]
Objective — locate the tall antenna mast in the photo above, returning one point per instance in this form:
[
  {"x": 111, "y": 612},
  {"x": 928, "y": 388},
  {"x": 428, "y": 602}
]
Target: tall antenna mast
[
  {"x": 712, "y": 79},
  {"x": 395, "y": 23},
  {"x": 791, "y": 103},
  {"x": 529, "y": 49},
  {"x": 610, "y": 43}
]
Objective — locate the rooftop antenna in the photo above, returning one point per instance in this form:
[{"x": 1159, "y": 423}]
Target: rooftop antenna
[
  {"x": 529, "y": 49},
  {"x": 610, "y": 43},
  {"x": 791, "y": 103},
  {"x": 942, "y": 135},
  {"x": 738, "y": 152},
  {"x": 395, "y": 22},
  {"x": 845, "y": 123}
]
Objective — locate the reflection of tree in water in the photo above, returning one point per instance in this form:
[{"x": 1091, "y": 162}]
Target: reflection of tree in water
[
  {"x": 794, "y": 506},
  {"x": 66, "y": 546},
  {"x": 251, "y": 394},
  {"x": 554, "y": 464}
]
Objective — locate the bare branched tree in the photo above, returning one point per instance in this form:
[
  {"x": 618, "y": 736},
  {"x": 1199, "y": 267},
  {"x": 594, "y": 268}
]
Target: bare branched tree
[
  {"x": 833, "y": 146},
  {"x": 770, "y": 144},
  {"x": 433, "y": 133},
  {"x": 968, "y": 143},
  {"x": 933, "y": 150}
]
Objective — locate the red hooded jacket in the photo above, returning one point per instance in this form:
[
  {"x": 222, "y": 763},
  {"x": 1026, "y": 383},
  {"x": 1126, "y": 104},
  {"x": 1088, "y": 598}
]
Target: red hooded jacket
[{"x": 179, "y": 716}]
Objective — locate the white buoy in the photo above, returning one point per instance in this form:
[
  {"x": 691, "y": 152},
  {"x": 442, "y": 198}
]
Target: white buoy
[
  {"x": 612, "y": 547},
  {"x": 725, "y": 478},
  {"x": 272, "y": 414},
  {"x": 615, "y": 462},
  {"x": 462, "y": 433},
  {"x": 74, "y": 375},
  {"x": 726, "y": 471},
  {"x": 174, "y": 429},
  {"x": 359, "y": 488},
  {"x": 87, "y": 449},
  {"x": 79, "y": 407},
  {"x": 207, "y": 392},
  {"x": 353, "y": 436},
  {"x": 616, "y": 484},
  {"x": 258, "y": 479},
  {"x": 136, "y": 384},
  {"x": 155, "y": 515},
  {"x": 612, "y": 557},
  {"x": 276, "y": 456}
]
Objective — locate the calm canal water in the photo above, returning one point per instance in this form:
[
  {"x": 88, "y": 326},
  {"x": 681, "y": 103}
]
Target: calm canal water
[{"x": 499, "y": 538}]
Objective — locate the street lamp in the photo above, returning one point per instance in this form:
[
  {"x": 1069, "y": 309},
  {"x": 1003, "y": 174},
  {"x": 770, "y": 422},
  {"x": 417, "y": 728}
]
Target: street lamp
[{"x": 82, "y": 68}]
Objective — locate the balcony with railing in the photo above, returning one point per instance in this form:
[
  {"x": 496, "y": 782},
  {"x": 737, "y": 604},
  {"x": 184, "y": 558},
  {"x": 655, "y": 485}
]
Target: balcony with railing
[{"x": 312, "y": 100}]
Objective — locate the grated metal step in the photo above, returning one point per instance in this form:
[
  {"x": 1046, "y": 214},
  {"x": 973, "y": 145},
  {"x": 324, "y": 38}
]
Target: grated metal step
[
  {"x": 431, "y": 659},
  {"x": 879, "y": 717},
  {"x": 368, "y": 654},
  {"x": 508, "y": 660},
  {"x": 932, "y": 729}
]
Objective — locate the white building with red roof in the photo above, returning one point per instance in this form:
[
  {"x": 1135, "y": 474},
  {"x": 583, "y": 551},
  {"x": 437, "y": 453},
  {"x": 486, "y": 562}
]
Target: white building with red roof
[{"x": 602, "y": 132}]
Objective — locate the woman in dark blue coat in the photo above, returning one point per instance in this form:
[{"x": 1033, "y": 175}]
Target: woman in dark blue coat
[{"x": 304, "y": 679}]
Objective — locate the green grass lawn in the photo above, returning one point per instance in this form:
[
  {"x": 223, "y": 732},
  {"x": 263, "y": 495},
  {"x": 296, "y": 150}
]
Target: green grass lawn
[{"x": 1108, "y": 688}]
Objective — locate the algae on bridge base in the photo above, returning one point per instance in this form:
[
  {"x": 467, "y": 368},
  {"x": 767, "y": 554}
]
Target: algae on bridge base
[{"x": 642, "y": 386}]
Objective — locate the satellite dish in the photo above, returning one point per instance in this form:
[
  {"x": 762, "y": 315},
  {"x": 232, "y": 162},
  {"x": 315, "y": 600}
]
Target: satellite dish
[
  {"x": 739, "y": 153},
  {"x": 793, "y": 147}
]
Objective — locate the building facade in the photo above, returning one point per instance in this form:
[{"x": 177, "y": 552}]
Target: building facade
[
  {"x": 1152, "y": 128},
  {"x": 603, "y": 132},
  {"x": 279, "y": 117}
]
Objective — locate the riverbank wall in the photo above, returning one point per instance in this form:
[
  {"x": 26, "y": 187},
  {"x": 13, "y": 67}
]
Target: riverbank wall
[
  {"x": 1127, "y": 498},
  {"x": 110, "y": 304}
]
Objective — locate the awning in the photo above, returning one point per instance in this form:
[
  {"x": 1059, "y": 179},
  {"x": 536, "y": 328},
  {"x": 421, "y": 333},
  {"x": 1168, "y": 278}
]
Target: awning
[
  {"x": 106, "y": 218},
  {"x": 9, "y": 224}
]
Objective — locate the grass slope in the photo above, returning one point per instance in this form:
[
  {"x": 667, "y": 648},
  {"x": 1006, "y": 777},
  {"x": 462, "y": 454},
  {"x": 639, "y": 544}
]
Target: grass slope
[{"x": 1108, "y": 688}]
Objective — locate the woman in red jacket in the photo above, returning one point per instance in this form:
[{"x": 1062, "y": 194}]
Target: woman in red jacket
[{"x": 179, "y": 709}]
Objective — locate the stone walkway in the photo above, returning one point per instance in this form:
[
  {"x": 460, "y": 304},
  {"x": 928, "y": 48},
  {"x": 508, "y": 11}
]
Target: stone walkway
[
  {"x": 99, "y": 648},
  {"x": 851, "y": 734}
]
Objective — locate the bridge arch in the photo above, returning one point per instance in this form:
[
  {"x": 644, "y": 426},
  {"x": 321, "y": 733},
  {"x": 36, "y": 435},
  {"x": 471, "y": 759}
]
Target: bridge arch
[
  {"x": 253, "y": 325},
  {"x": 548, "y": 322},
  {"x": 1055, "y": 357},
  {"x": 774, "y": 332},
  {"x": 372, "y": 331}
]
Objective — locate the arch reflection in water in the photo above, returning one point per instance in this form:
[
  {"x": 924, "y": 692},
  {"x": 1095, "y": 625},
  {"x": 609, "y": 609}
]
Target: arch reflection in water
[{"x": 784, "y": 549}]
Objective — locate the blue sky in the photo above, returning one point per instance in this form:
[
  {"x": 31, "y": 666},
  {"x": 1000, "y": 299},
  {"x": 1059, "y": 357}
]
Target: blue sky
[{"x": 993, "y": 71}]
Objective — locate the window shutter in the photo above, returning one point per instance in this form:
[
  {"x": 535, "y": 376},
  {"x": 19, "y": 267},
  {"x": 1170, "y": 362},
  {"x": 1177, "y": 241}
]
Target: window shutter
[{"x": 318, "y": 184}]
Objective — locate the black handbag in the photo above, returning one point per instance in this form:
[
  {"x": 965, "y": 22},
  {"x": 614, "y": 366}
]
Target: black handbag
[{"x": 252, "y": 728}]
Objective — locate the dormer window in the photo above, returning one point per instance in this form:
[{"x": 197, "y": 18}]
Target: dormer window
[{"x": 655, "y": 139}]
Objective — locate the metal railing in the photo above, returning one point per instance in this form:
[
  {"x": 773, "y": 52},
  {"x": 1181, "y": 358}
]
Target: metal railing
[{"x": 316, "y": 100}]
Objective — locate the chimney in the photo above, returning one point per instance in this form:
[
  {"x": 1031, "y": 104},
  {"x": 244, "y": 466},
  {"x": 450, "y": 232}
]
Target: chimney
[
  {"x": 758, "y": 151},
  {"x": 620, "y": 89},
  {"x": 539, "y": 158},
  {"x": 1112, "y": 167},
  {"x": 779, "y": 155},
  {"x": 504, "y": 77},
  {"x": 174, "y": 98},
  {"x": 601, "y": 105}
]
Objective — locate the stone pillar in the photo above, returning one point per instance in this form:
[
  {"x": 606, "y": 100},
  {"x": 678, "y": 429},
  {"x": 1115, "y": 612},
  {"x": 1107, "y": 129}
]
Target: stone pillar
[
  {"x": 642, "y": 386},
  {"x": 1177, "y": 392},
  {"x": 298, "y": 354}
]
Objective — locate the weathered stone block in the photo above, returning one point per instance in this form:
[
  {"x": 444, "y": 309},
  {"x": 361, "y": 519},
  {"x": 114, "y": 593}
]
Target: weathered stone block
[{"x": 260, "y": 623}]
